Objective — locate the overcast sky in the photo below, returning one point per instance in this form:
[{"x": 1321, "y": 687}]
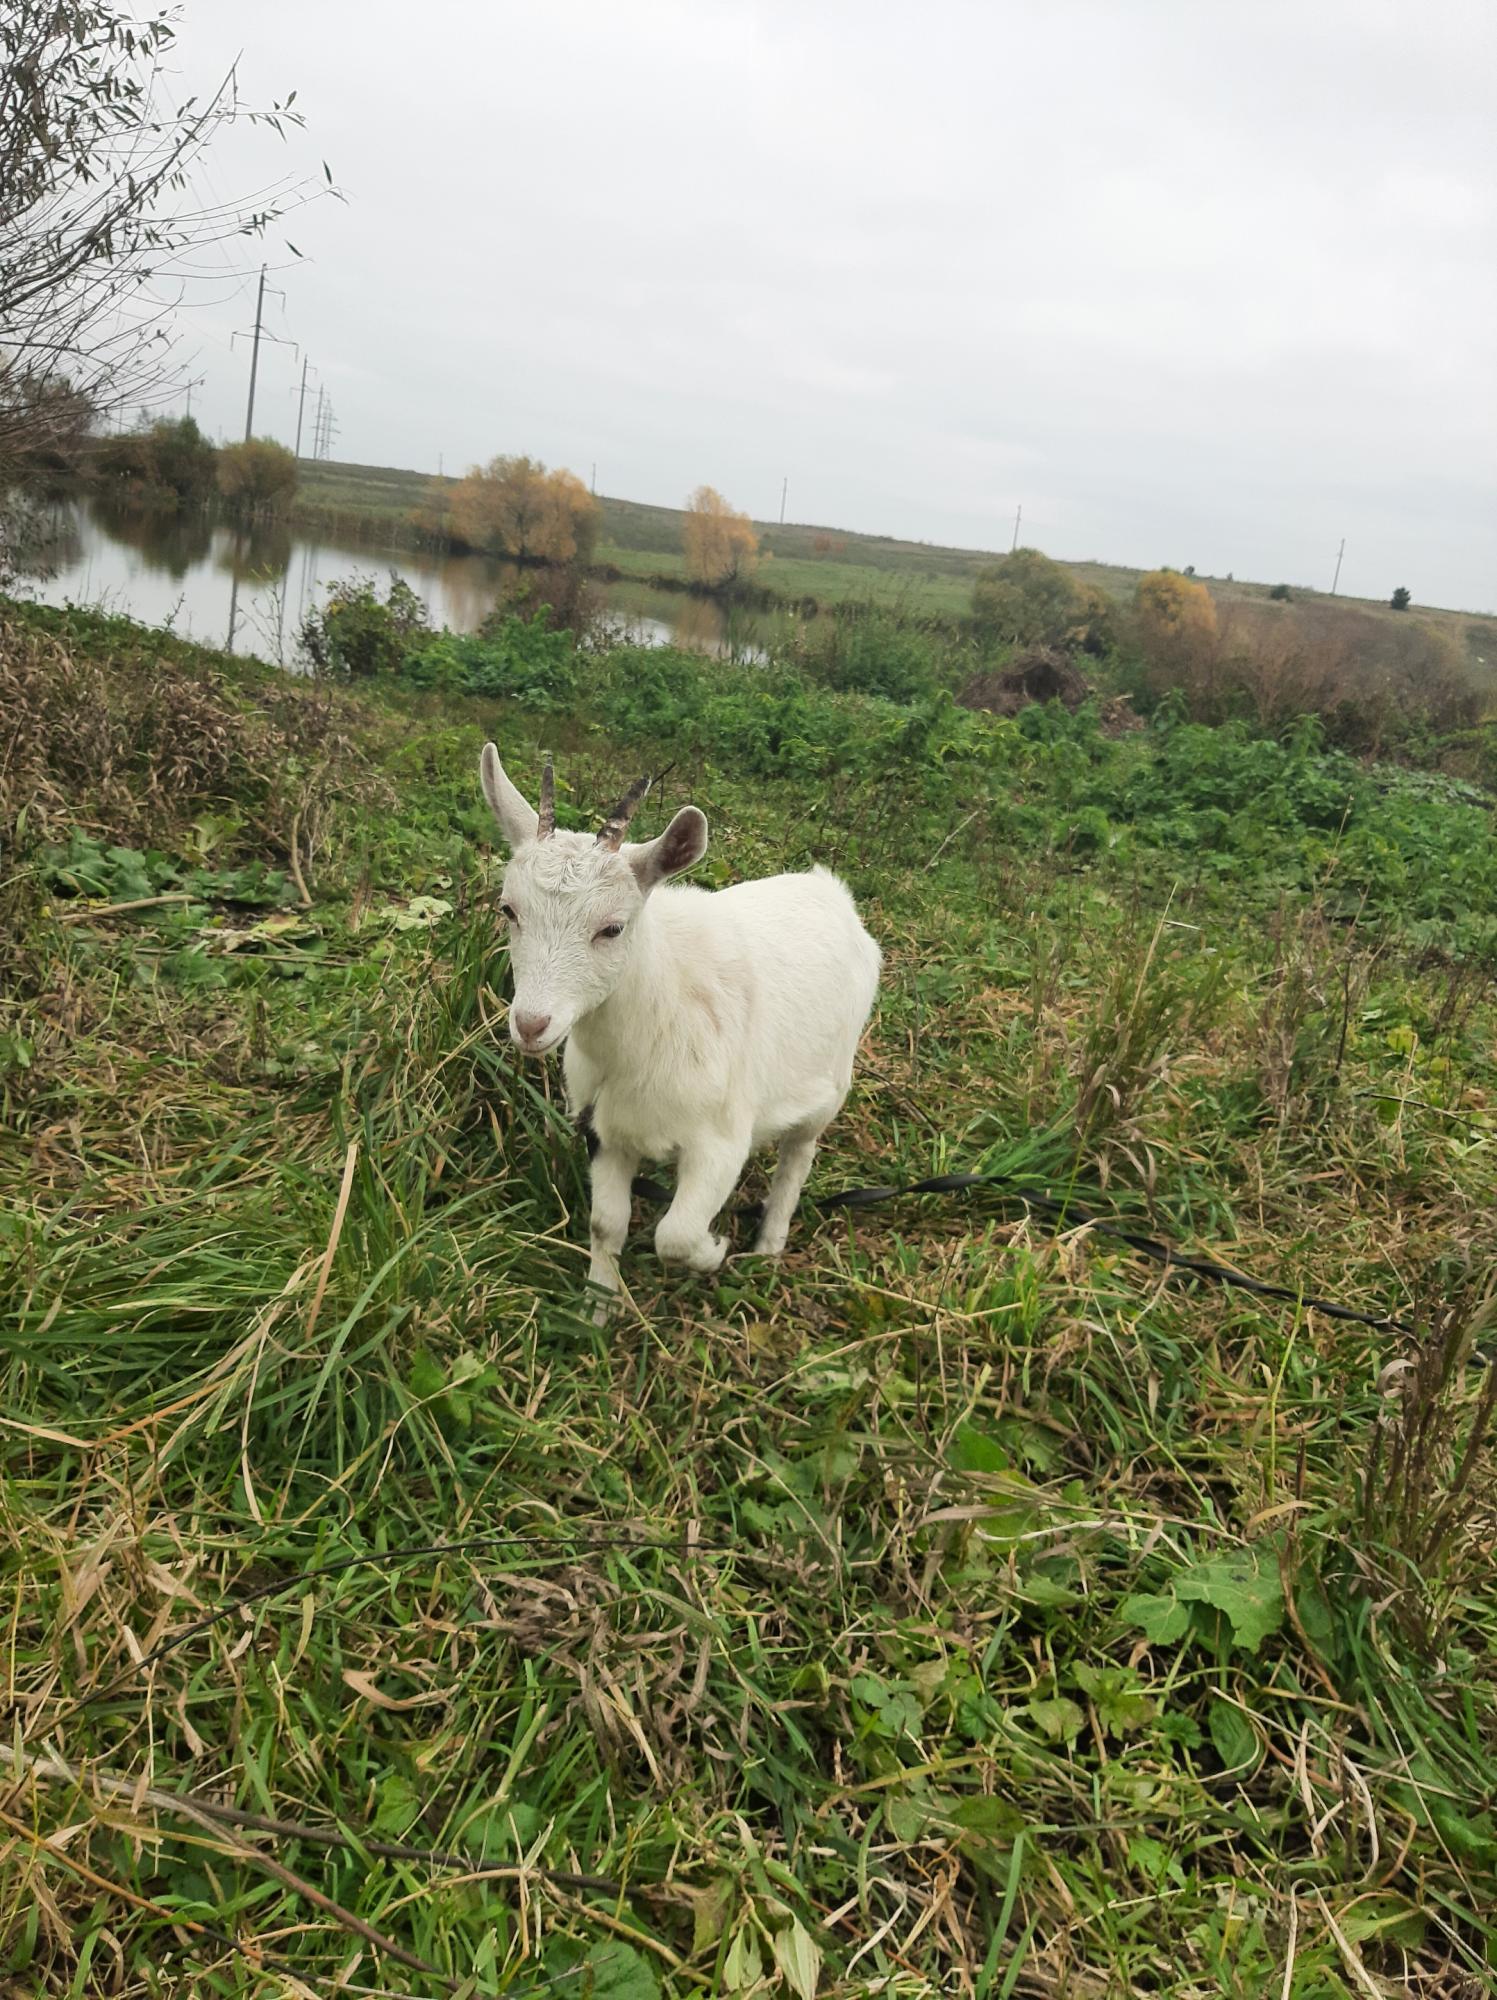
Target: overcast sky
[{"x": 1193, "y": 284}]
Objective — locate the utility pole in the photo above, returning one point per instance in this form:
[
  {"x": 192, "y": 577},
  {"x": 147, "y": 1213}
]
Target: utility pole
[
  {"x": 1018, "y": 517},
  {"x": 249, "y": 415},
  {"x": 785, "y": 488},
  {"x": 1339, "y": 554},
  {"x": 593, "y": 483},
  {"x": 259, "y": 335},
  {"x": 301, "y": 406}
]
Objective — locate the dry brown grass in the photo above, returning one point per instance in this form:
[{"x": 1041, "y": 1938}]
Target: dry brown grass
[{"x": 1369, "y": 679}]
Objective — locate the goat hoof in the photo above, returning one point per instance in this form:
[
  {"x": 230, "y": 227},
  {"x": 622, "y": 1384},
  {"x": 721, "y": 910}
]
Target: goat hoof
[
  {"x": 706, "y": 1254},
  {"x": 710, "y": 1258},
  {"x": 605, "y": 1304},
  {"x": 771, "y": 1243}
]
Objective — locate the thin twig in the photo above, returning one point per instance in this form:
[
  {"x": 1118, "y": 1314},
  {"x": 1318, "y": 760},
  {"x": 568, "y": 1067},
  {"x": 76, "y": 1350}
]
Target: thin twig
[
  {"x": 102, "y": 1882},
  {"x": 114, "y": 1784},
  {"x": 296, "y": 874},
  {"x": 242, "y": 1850},
  {"x": 119, "y": 909}
]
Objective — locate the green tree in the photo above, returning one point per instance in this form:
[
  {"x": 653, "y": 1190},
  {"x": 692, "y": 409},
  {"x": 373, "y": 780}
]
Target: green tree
[
  {"x": 257, "y": 476},
  {"x": 1400, "y": 600},
  {"x": 185, "y": 462},
  {"x": 169, "y": 460},
  {"x": 1025, "y": 599}
]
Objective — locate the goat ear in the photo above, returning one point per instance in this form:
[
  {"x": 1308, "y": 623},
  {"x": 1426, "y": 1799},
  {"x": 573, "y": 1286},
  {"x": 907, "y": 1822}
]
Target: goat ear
[
  {"x": 517, "y": 821},
  {"x": 682, "y": 845}
]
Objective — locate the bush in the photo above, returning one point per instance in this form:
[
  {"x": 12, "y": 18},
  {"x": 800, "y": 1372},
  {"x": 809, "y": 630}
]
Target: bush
[
  {"x": 1400, "y": 600},
  {"x": 256, "y": 476},
  {"x": 1375, "y": 685},
  {"x": 358, "y": 637},
  {"x": 1280, "y": 594},
  {"x": 508, "y": 658},
  {"x": 1025, "y": 599},
  {"x": 871, "y": 652},
  {"x": 1176, "y": 618},
  {"x": 186, "y": 464},
  {"x": 515, "y": 507},
  {"x": 168, "y": 461}
]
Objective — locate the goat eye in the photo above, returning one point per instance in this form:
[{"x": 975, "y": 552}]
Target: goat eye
[
  {"x": 608, "y": 931},
  {"x": 507, "y": 912}
]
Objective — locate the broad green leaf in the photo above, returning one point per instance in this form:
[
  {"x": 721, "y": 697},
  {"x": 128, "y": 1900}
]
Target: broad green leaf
[
  {"x": 798, "y": 1958},
  {"x": 973, "y": 1450},
  {"x": 1059, "y": 1719},
  {"x": 709, "y": 1909},
  {"x": 619, "y": 1972},
  {"x": 1120, "y": 1702},
  {"x": 1244, "y": 1588},
  {"x": 1234, "y": 1736},
  {"x": 399, "y": 1805},
  {"x": 744, "y": 1965},
  {"x": 1162, "y": 1620}
]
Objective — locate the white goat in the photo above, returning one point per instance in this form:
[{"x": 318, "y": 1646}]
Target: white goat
[{"x": 698, "y": 1025}]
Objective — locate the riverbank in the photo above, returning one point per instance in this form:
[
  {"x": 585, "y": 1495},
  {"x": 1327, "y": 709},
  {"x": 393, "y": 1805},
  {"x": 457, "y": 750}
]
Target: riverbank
[{"x": 800, "y": 564}]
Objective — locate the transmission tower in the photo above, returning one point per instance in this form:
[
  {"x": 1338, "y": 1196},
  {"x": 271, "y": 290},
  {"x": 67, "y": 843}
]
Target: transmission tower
[{"x": 324, "y": 426}]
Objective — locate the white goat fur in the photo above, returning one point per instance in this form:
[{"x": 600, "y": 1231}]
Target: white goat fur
[{"x": 715, "y": 1023}]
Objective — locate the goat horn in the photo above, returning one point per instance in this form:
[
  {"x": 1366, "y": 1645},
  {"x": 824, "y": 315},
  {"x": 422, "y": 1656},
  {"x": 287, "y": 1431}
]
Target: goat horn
[
  {"x": 546, "y": 809},
  {"x": 613, "y": 827}
]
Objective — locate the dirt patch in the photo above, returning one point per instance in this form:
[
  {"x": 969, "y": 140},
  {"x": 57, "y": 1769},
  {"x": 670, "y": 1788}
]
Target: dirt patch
[
  {"x": 1041, "y": 675},
  {"x": 1044, "y": 674}
]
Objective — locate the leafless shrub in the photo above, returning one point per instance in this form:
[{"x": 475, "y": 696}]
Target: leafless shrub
[{"x": 1371, "y": 680}]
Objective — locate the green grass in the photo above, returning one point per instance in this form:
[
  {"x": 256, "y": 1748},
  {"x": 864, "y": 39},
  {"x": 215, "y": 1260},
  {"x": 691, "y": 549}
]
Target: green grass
[{"x": 959, "y": 1606}]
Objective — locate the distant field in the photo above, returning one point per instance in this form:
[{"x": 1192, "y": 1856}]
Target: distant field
[{"x": 834, "y": 565}]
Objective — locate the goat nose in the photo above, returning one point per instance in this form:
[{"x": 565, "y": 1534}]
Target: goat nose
[{"x": 531, "y": 1027}]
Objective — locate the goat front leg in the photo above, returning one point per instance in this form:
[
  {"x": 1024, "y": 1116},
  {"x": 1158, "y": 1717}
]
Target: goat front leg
[
  {"x": 706, "y": 1175},
  {"x": 612, "y": 1178}
]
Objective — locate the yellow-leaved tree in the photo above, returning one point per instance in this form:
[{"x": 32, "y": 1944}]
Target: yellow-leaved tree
[
  {"x": 515, "y": 507},
  {"x": 1176, "y": 621},
  {"x": 256, "y": 477},
  {"x": 720, "y": 545}
]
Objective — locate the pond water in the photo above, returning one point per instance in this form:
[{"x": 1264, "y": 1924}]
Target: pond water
[{"x": 250, "y": 587}]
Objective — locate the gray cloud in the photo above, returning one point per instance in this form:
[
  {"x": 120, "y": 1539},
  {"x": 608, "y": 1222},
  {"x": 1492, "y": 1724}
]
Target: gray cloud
[{"x": 1193, "y": 284}]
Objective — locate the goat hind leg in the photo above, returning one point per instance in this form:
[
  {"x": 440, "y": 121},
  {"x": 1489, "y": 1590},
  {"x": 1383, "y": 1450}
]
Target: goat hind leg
[{"x": 797, "y": 1151}]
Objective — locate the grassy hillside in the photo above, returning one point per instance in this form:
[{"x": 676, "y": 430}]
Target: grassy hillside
[{"x": 966, "y": 1604}]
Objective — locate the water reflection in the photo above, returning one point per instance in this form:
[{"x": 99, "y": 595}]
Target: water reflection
[
  {"x": 250, "y": 587},
  {"x": 167, "y": 539}
]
